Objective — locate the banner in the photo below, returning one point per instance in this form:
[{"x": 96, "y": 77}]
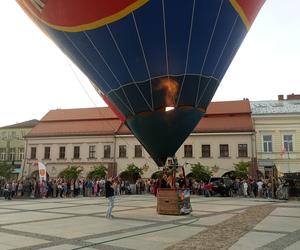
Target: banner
[{"x": 42, "y": 171}]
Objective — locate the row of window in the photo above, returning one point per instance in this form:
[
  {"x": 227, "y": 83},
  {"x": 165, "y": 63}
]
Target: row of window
[
  {"x": 223, "y": 150},
  {"x": 12, "y": 135},
  {"x": 138, "y": 152},
  {"x": 268, "y": 143},
  {"x": 92, "y": 152},
  {"x": 18, "y": 153},
  {"x": 188, "y": 150},
  {"x": 11, "y": 154}
]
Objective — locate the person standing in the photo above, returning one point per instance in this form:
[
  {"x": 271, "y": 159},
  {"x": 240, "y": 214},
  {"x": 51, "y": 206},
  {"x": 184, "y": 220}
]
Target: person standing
[
  {"x": 80, "y": 184},
  {"x": 260, "y": 188},
  {"x": 13, "y": 189},
  {"x": 269, "y": 189},
  {"x": 54, "y": 188},
  {"x": 20, "y": 189},
  {"x": 110, "y": 195},
  {"x": 8, "y": 190},
  {"x": 245, "y": 188}
]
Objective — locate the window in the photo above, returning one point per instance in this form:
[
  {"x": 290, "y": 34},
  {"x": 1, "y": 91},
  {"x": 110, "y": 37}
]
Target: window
[
  {"x": 188, "y": 150},
  {"x": 106, "y": 151},
  {"x": 224, "y": 150},
  {"x": 18, "y": 135},
  {"x": 62, "y": 152},
  {"x": 33, "y": 153},
  {"x": 138, "y": 151},
  {"x": 21, "y": 153},
  {"x": 2, "y": 154},
  {"x": 122, "y": 151},
  {"x": 23, "y": 133},
  {"x": 12, "y": 154},
  {"x": 288, "y": 143},
  {"x": 92, "y": 151},
  {"x": 13, "y": 135},
  {"x": 76, "y": 153},
  {"x": 205, "y": 151},
  {"x": 4, "y": 135},
  {"x": 267, "y": 143},
  {"x": 47, "y": 153},
  {"x": 9, "y": 137},
  {"x": 243, "y": 150}
]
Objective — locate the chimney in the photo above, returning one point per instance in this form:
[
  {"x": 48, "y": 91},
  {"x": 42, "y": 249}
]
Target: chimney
[
  {"x": 280, "y": 97},
  {"x": 293, "y": 97}
]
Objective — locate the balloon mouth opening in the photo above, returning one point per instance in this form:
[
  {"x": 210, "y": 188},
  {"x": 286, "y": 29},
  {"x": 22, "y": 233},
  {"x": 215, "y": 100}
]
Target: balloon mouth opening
[{"x": 169, "y": 108}]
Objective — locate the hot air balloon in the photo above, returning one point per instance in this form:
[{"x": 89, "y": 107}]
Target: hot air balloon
[{"x": 157, "y": 63}]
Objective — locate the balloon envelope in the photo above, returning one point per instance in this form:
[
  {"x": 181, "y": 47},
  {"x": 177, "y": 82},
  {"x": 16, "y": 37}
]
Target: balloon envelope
[{"x": 157, "y": 63}]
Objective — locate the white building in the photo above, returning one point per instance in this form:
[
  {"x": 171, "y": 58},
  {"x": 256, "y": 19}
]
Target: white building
[{"x": 93, "y": 136}]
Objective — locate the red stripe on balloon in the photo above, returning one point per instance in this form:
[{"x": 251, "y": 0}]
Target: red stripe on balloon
[
  {"x": 251, "y": 8},
  {"x": 75, "y": 12},
  {"x": 247, "y": 9},
  {"x": 113, "y": 108}
]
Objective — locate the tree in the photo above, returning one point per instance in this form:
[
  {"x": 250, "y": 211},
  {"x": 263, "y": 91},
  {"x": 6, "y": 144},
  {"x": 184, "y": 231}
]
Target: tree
[
  {"x": 6, "y": 170},
  {"x": 156, "y": 175},
  {"x": 71, "y": 173},
  {"x": 201, "y": 172},
  {"x": 242, "y": 169},
  {"x": 98, "y": 172},
  {"x": 132, "y": 173}
]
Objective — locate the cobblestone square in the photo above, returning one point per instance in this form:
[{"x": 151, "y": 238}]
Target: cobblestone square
[{"x": 215, "y": 223}]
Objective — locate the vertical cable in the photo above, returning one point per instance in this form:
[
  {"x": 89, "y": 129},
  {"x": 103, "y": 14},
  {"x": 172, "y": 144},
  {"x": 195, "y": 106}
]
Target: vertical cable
[
  {"x": 207, "y": 50},
  {"x": 165, "y": 34},
  {"x": 93, "y": 67},
  {"x": 188, "y": 51},
  {"x": 146, "y": 63},
  {"x": 217, "y": 64},
  {"x": 127, "y": 67}
]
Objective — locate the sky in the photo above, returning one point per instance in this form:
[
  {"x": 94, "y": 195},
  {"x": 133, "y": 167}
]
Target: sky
[{"x": 35, "y": 76}]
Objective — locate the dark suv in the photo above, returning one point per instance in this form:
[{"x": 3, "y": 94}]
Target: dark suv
[{"x": 222, "y": 186}]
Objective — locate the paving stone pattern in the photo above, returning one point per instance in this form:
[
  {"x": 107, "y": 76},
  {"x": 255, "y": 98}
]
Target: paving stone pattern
[
  {"x": 215, "y": 223},
  {"x": 225, "y": 234}
]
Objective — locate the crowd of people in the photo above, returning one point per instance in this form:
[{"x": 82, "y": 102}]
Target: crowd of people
[
  {"x": 60, "y": 188},
  {"x": 261, "y": 188}
]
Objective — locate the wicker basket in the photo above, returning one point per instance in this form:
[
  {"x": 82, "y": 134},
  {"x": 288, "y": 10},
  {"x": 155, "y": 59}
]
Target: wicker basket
[{"x": 169, "y": 201}]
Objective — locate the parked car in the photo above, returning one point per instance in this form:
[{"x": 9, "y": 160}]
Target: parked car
[{"x": 222, "y": 186}]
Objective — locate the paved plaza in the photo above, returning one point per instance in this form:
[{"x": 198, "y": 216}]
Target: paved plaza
[{"x": 215, "y": 223}]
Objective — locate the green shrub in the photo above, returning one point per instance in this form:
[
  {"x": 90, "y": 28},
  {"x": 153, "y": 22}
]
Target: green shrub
[
  {"x": 97, "y": 173},
  {"x": 71, "y": 173},
  {"x": 201, "y": 172}
]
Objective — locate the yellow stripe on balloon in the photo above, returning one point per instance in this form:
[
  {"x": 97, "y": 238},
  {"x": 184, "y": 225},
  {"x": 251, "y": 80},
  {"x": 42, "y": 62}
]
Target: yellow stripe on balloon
[
  {"x": 98, "y": 23},
  {"x": 241, "y": 13}
]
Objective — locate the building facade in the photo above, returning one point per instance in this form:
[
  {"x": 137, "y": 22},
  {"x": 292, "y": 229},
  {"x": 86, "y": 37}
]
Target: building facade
[
  {"x": 94, "y": 136},
  {"x": 277, "y": 125},
  {"x": 224, "y": 137},
  {"x": 12, "y": 143}
]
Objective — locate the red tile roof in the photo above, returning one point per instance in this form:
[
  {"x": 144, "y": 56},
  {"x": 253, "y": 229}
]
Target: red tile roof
[
  {"x": 224, "y": 124},
  {"x": 79, "y": 114},
  {"x": 231, "y": 116},
  {"x": 123, "y": 130},
  {"x": 85, "y": 127},
  {"x": 229, "y": 107},
  {"x": 86, "y": 121}
]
